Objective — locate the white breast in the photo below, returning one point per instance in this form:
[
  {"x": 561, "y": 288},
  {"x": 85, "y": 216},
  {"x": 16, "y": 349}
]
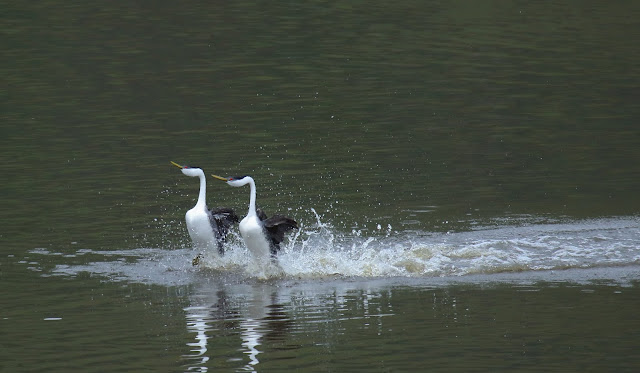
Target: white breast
[
  {"x": 253, "y": 236},
  {"x": 200, "y": 230}
]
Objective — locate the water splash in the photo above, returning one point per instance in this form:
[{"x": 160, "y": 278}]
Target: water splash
[{"x": 319, "y": 251}]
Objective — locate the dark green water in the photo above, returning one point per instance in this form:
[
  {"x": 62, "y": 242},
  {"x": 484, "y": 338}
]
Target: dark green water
[{"x": 441, "y": 144}]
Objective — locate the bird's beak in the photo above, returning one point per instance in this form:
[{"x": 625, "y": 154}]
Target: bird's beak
[
  {"x": 177, "y": 165},
  {"x": 220, "y": 178}
]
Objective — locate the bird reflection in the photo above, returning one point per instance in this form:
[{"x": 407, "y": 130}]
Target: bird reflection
[
  {"x": 216, "y": 317},
  {"x": 198, "y": 325},
  {"x": 199, "y": 317}
]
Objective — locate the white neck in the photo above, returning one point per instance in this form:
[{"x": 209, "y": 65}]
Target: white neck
[
  {"x": 252, "y": 198},
  {"x": 202, "y": 197}
]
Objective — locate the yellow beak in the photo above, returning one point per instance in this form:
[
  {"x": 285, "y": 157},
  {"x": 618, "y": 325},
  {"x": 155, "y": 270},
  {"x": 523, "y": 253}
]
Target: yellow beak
[
  {"x": 175, "y": 164},
  {"x": 220, "y": 178}
]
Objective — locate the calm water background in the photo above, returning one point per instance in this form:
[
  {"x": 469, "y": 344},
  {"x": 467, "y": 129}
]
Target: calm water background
[{"x": 466, "y": 175}]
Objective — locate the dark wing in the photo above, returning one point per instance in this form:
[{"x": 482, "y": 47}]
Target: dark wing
[
  {"x": 221, "y": 220},
  {"x": 276, "y": 226},
  {"x": 261, "y": 214}
]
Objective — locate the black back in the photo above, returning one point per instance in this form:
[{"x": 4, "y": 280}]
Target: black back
[
  {"x": 221, "y": 220},
  {"x": 261, "y": 214},
  {"x": 275, "y": 227}
]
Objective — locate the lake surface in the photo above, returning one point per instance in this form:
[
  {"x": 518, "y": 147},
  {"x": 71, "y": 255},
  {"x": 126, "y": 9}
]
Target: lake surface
[{"x": 465, "y": 176}]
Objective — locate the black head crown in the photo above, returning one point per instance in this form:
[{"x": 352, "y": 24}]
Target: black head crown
[{"x": 231, "y": 178}]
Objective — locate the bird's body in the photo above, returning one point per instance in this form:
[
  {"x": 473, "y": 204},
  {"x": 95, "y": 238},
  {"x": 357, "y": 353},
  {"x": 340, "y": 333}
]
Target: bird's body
[
  {"x": 207, "y": 228},
  {"x": 252, "y": 232},
  {"x": 262, "y": 235},
  {"x": 199, "y": 228}
]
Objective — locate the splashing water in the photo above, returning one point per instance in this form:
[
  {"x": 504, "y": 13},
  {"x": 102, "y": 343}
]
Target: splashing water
[{"x": 319, "y": 251}]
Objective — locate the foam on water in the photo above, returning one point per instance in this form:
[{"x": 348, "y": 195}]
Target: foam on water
[{"x": 319, "y": 251}]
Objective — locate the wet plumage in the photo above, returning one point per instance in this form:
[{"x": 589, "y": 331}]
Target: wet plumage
[
  {"x": 261, "y": 234},
  {"x": 207, "y": 228}
]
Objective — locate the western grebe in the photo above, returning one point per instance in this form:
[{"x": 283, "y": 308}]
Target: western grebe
[
  {"x": 208, "y": 228},
  {"x": 262, "y": 235}
]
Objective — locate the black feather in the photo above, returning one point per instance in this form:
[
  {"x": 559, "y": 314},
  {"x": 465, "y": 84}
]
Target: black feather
[
  {"x": 237, "y": 177},
  {"x": 221, "y": 220},
  {"x": 261, "y": 214},
  {"x": 275, "y": 227}
]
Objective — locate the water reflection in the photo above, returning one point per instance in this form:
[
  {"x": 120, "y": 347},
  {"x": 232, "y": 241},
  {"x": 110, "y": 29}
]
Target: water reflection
[
  {"x": 199, "y": 318},
  {"x": 221, "y": 313},
  {"x": 197, "y": 322},
  {"x": 253, "y": 326},
  {"x": 235, "y": 325}
]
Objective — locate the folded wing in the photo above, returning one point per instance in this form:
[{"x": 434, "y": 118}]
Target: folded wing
[{"x": 276, "y": 227}]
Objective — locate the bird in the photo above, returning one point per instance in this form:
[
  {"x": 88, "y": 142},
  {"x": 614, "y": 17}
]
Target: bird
[
  {"x": 207, "y": 228},
  {"x": 262, "y": 235}
]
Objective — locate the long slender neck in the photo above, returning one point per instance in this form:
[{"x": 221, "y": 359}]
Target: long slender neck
[
  {"x": 252, "y": 198},
  {"x": 202, "y": 197}
]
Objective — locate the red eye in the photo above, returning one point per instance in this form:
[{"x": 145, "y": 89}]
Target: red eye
[{"x": 230, "y": 178}]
